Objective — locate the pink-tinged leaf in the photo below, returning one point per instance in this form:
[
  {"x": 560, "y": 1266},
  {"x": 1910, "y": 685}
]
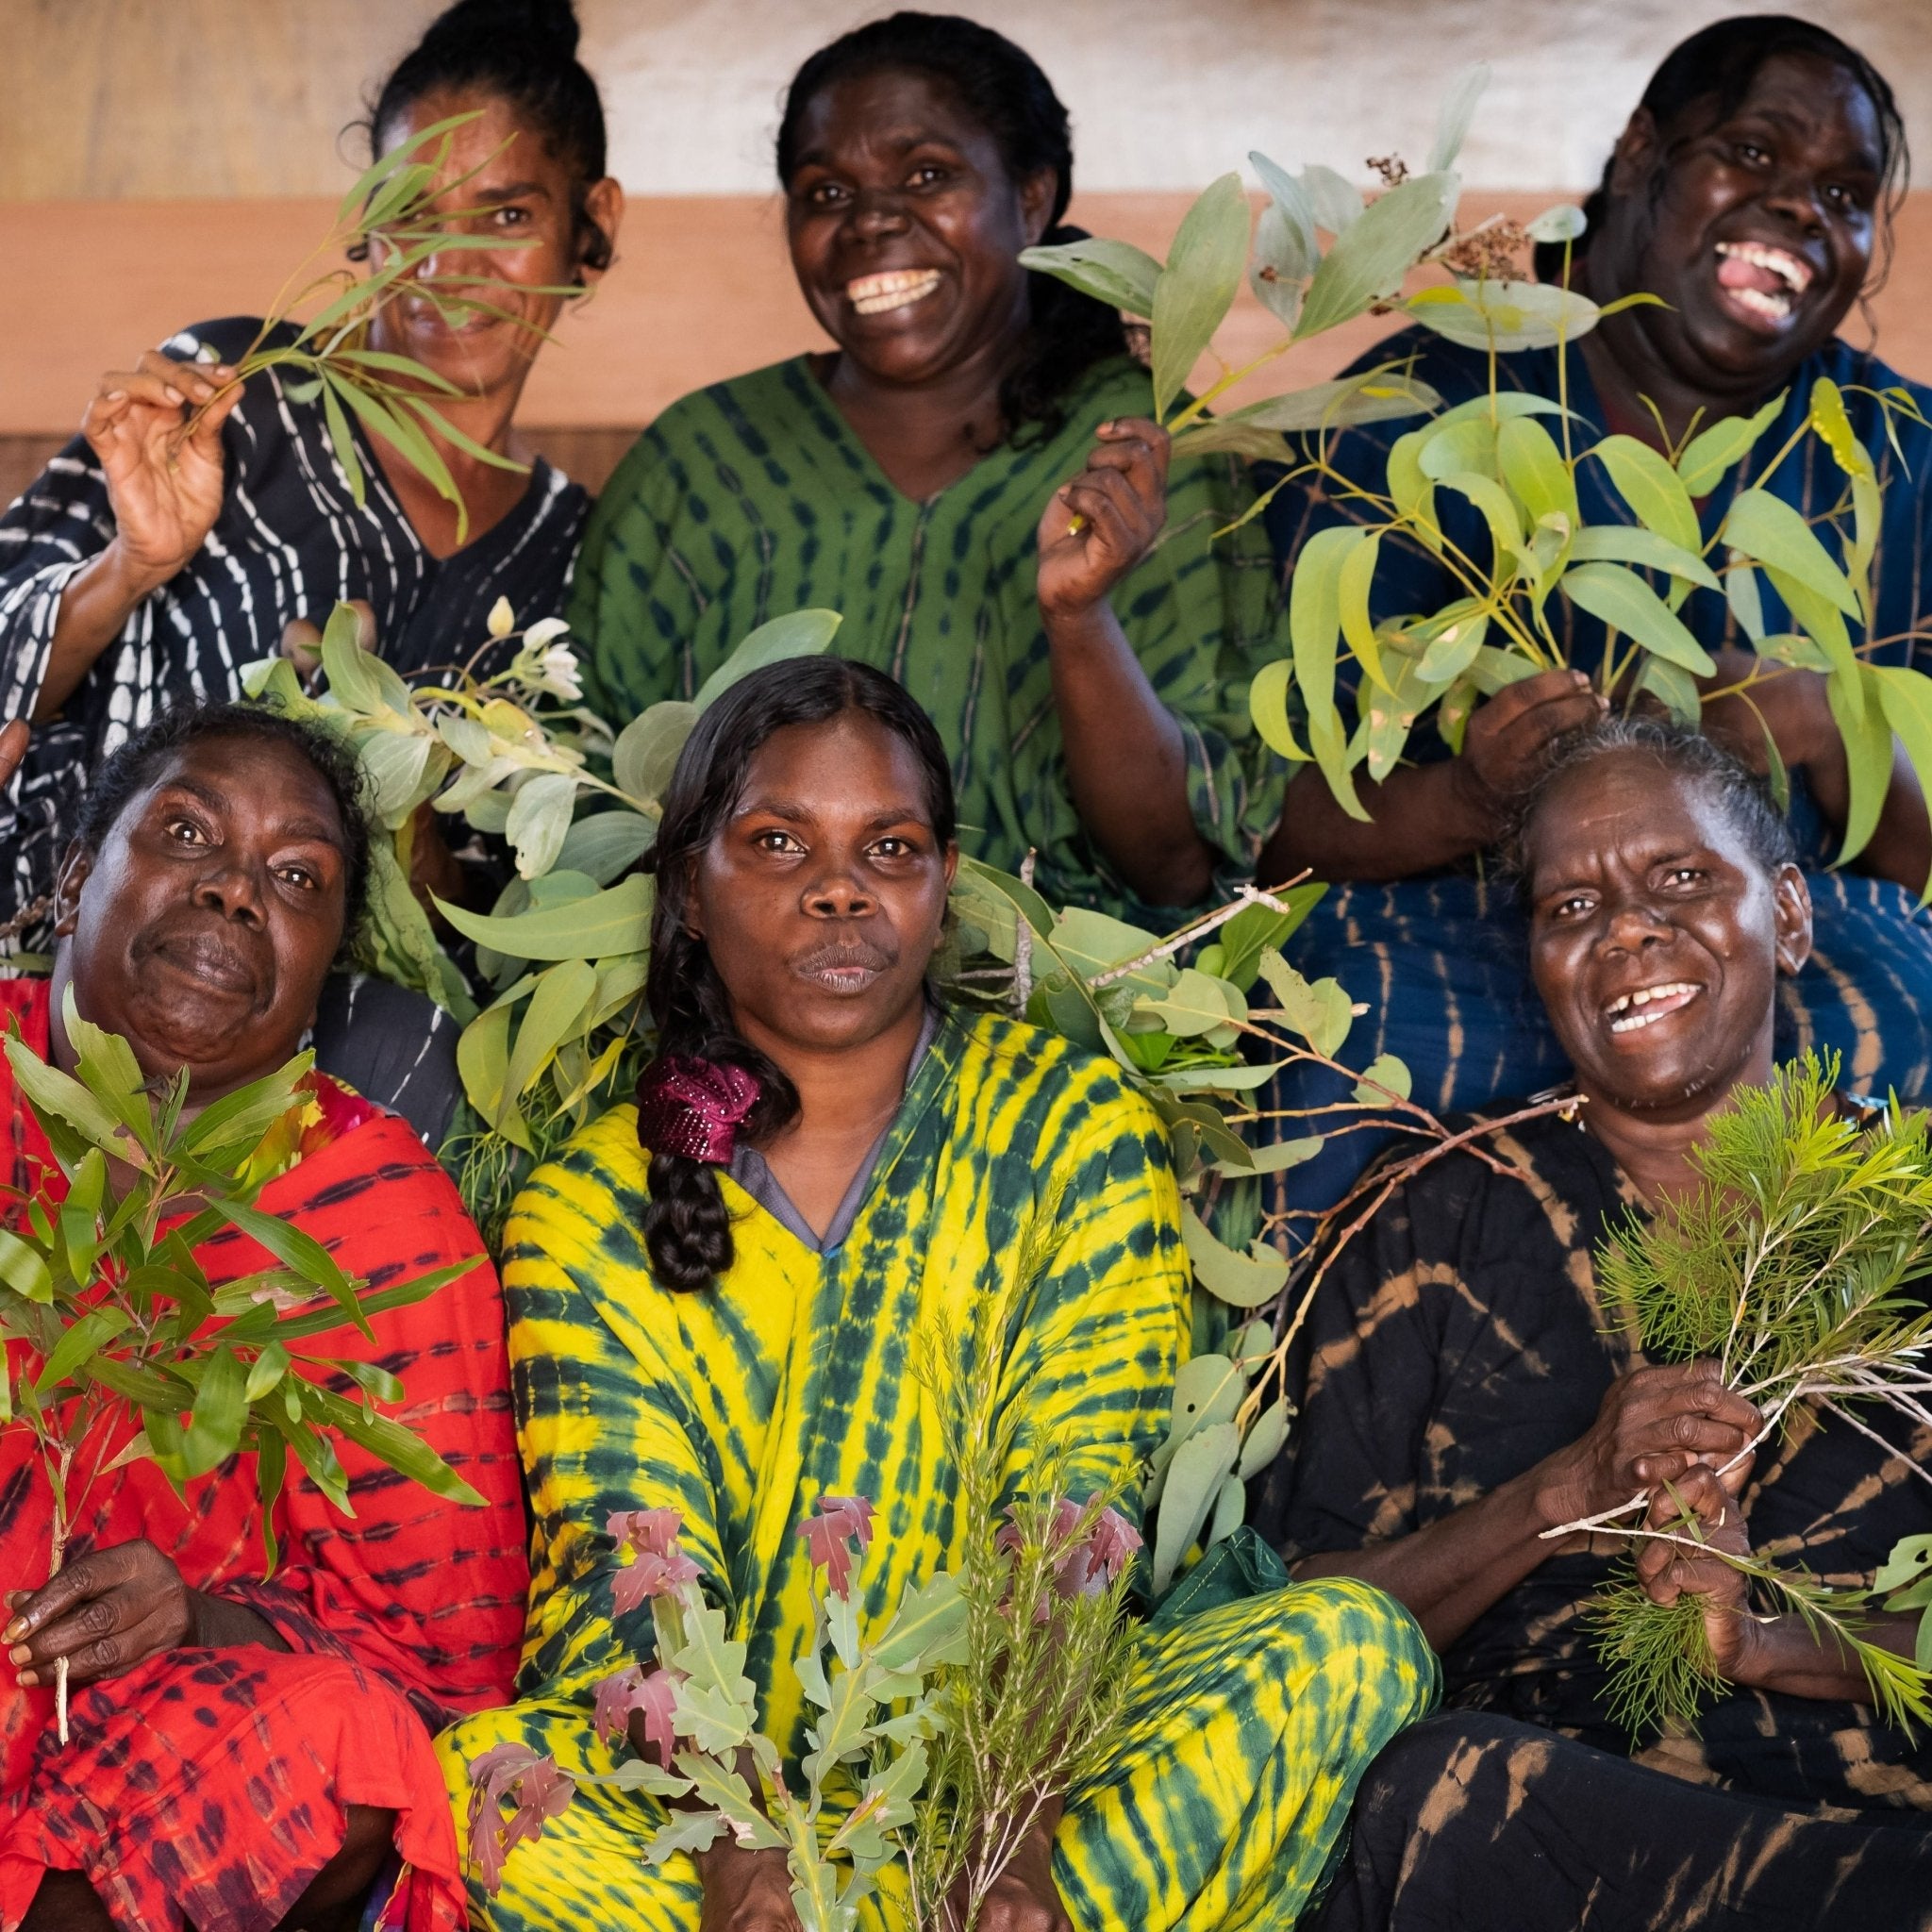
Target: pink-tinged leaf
[
  {"x": 651, "y": 1575},
  {"x": 649, "y": 1532},
  {"x": 829, "y": 1532},
  {"x": 655, "y": 1694},
  {"x": 1115, "y": 1540},
  {"x": 540, "y": 1790}
]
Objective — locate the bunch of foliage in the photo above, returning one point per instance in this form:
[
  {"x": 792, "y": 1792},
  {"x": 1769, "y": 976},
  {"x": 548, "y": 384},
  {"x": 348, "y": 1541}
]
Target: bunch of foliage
[
  {"x": 117, "y": 1347},
  {"x": 1310, "y": 289},
  {"x": 1793, "y": 1265},
  {"x": 515, "y": 756},
  {"x": 390, "y": 216}
]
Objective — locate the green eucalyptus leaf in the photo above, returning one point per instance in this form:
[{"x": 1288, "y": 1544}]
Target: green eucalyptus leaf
[
  {"x": 1565, "y": 222},
  {"x": 1266, "y": 1439},
  {"x": 1622, "y": 543},
  {"x": 1115, "y": 273},
  {"x": 1652, "y": 488},
  {"x": 606, "y": 844},
  {"x": 540, "y": 819},
  {"x": 1198, "y": 286},
  {"x": 1244, "y": 1281},
  {"x": 1336, "y": 200},
  {"x": 798, "y": 634},
  {"x": 55, "y": 1096},
  {"x": 1314, "y": 622},
  {"x": 1194, "y": 1477},
  {"x": 1367, "y": 263},
  {"x": 1207, "y": 1388},
  {"x": 1255, "y": 928},
  {"x": 1904, "y": 698},
  {"x": 221, "y": 1411},
  {"x": 1388, "y": 1072},
  {"x": 1710, "y": 455},
  {"x": 25, "y": 1269},
  {"x": 561, "y": 1000},
  {"x": 1457, "y": 111},
  {"x": 1825, "y": 623},
  {"x": 646, "y": 749},
  {"x": 1534, "y": 469},
  {"x": 611, "y": 922},
  {"x": 1867, "y": 733},
  {"x": 298, "y": 1249},
  {"x": 1504, "y": 316},
  {"x": 396, "y": 764},
  {"x": 1287, "y": 252},
  {"x": 346, "y": 664},
  {"x": 1321, "y": 1013},
  {"x": 1769, "y": 530},
  {"x": 1625, "y": 602},
  {"x": 1675, "y": 687},
  {"x": 1268, "y": 705}
]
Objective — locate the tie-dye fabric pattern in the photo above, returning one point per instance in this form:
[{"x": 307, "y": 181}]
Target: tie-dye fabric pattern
[
  {"x": 208, "y": 1787},
  {"x": 1459, "y": 1341},
  {"x": 797, "y": 1378},
  {"x": 753, "y": 498}
]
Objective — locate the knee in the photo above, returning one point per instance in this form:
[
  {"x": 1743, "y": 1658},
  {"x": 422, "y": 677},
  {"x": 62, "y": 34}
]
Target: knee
[{"x": 1364, "y": 1647}]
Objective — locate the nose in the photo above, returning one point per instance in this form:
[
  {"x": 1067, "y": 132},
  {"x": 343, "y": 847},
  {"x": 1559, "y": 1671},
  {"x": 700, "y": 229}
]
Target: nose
[
  {"x": 838, "y": 893},
  {"x": 1793, "y": 195},
  {"x": 234, "y": 891},
  {"x": 876, "y": 212},
  {"x": 1634, "y": 924}
]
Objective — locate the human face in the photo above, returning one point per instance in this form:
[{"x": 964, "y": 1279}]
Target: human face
[
  {"x": 821, "y": 898},
  {"x": 906, "y": 228},
  {"x": 518, "y": 188},
  {"x": 202, "y": 928},
  {"x": 1655, "y": 938},
  {"x": 1757, "y": 230}
]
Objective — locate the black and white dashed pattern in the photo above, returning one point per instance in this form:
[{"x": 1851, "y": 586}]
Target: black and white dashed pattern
[{"x": 289, "y": 542}]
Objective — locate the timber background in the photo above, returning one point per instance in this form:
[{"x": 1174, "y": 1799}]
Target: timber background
[{"x": 167, "y": 161}]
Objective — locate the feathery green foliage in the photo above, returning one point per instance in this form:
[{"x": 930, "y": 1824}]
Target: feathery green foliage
[{"x": 1791, "y": 1264}]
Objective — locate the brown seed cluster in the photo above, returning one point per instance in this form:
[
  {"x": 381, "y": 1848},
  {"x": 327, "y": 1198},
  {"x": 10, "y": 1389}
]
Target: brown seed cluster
[
  {"x": 1493, "y": 252},
  {"x": 1392, "y": 169}
]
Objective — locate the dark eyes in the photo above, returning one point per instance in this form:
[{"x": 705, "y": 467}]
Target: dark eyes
[
  {"x": 512, "y": 217},
  {"x": 185, "y": 832},
  {"x": 299, "y": 877},
  {"x": 1750, "y": 153},
  {"x": 833, "y": 193},
  {"x": 782, "y": 844}
]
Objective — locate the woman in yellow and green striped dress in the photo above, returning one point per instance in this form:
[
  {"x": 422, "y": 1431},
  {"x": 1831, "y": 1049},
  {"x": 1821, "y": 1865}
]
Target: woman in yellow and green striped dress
[{"x": 721, "y": 1297}]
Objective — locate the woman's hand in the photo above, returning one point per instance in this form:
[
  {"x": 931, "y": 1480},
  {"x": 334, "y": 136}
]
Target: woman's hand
[
  {"x": 1654, "y": 1427},
  {"x": 1120, "y": 500},
  {"x": 745, "y": 1892},
  {"x": 13, "y": 739},
  {"x": 1024, "y": 1897},
  {"x": 1510, "y": 736},
  {"x": 1668, "y": 1570},
  {"x": 106, "y": 1612},
  {"x": 164, "y": 488}
]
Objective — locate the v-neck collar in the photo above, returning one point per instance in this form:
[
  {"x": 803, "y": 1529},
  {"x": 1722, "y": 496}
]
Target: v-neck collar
[{"x": 933, "y": 1060}]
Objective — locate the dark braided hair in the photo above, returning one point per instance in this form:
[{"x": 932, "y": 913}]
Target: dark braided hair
[
  {"x": 1683, "y": 751},
  {"x": 524, "y": 52},
  {"x": 687, "y": 1229},
  {"x": 137, "y": 763},
  {"x": 1704, "y": 80},
  {"x": 1002, "y": 87}
]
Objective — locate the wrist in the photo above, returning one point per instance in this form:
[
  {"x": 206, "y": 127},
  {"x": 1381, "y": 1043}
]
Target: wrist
[
  {"x": 1074, "y": 622},
  {"x": 1479, "y": 807},
  {"x": 119, "y": 573}
]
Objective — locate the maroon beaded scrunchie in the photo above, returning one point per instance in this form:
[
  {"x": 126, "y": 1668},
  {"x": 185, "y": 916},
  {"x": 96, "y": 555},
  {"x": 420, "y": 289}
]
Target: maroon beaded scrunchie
[{"x": 693, "y": 1107}]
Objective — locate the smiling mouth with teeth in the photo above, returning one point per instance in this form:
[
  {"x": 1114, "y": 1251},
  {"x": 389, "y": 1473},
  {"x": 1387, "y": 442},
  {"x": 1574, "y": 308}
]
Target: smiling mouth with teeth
[
  {"x": 1764, "y": 281},
  {"x": 897, "y": 287},
  {"x": 1648, "y": 1005}
]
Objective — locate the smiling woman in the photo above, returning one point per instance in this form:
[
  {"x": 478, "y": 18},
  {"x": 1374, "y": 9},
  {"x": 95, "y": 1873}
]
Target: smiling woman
[
  {"x": 970, "y": 479},
  {"x": 1752, "y": 190},
  {"x": 217, "y": 873},
  {"x": 150, "y": 560},
  {"x": 1464, "y": 1389}
]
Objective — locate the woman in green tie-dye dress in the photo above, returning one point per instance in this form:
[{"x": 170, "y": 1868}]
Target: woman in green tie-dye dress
[
  {"x": 970, "y": 478},
  {"x": 719, "y": 1298}
]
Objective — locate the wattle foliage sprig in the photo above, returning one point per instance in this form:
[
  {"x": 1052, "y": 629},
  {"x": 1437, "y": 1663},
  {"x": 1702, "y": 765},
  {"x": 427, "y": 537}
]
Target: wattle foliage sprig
[{"x": 1795, "y": 1264}]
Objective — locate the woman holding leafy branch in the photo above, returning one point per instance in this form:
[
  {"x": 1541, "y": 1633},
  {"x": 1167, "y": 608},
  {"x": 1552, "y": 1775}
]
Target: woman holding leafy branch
[
  {"x": 719, "y": 1303},
  {"x": 1465, "y": 1388},
  {"x": 248, "y": 1753},
  {"x": 195, "y": 519},
  {"x": 1752, "y": 191},
  {"x": 971, "y": 478}
]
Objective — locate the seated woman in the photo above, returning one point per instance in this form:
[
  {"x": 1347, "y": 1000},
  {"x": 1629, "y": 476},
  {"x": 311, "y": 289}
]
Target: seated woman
[
  {"x": 925, "y": 479},
  {"x": 717, "y": 1308},
  {"x": 141, "y": 569},
  {"x": 1465, "y": 1390},
  {"x": 250, "y": 1754},
  {"x": 1760, "y": 130}
]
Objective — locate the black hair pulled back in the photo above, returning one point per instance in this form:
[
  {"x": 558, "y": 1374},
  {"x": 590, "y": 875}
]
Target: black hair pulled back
[
  {"x": 524, "y": 52},
  {"x": 686, "y": 1228},
  {"x": 139, "y": 760},
  {"x": 1710, "y": 75},
  {"x": 1002, "y": 87},
  {"x": 1682, "y": 752}
]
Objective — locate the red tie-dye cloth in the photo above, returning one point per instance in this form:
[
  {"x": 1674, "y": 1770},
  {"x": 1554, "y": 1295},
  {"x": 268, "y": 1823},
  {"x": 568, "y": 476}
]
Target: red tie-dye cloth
[{"x": 208, "y": 1786}]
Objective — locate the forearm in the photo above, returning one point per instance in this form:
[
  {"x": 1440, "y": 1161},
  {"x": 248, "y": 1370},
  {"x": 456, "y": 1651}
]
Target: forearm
[
  {"x": 1449, "y": 1574},
  {"x": 1421, "y": 816},
  {"x": 1127, "y": 760},
  {"x": 219, "y": 1624},
  {"x": 94, "y": 608},
  {"x": 1781, "y": 1654}
]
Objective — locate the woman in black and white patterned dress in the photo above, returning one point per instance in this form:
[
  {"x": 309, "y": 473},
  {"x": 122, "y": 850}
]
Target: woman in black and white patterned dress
[{"x": 134, "y": 576}]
